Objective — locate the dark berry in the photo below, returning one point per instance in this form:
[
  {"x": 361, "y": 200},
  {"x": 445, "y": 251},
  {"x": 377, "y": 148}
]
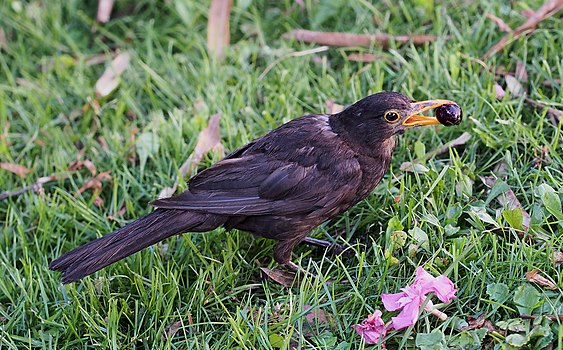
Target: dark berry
[{"x": 449, "y": 115}]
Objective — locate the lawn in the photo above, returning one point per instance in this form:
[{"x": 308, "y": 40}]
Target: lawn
[{"x": 452, "y": 212}]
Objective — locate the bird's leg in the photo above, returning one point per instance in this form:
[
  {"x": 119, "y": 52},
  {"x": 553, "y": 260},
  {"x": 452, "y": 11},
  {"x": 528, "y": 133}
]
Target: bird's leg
[
  {"x": 334, "y": 247},
  {"x": 321, "y": 243},
  {"x": 282, "y": 255}
]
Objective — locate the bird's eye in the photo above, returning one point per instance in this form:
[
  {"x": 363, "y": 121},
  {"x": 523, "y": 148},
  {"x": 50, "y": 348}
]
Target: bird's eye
[{"x": 391, "y": 116}]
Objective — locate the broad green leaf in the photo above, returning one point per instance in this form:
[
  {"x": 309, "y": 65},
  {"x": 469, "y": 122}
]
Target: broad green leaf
[
  {"x": 420, "y": 237},
  {"x": 482, "y": 214},
  {"x": 498, "y": 188},
  {"x": 431, "y": 341},
  {"x": 526, "y": 298},
  {"x": 550, "y": 200},
  {"x": 432, "y": 219},
  {"x": 469, "y": 340},
  {"x": 514, "y": 217},
  {"x": 513, "y": 325},
  {"x": 498, "y": 292},
  {"x": 419, "y": 150},
  {"x": 453, "y": 213},
  {"x": 276, "y": 341},
  {"x": 540, "y": 336},
  {"x": 451, "y": 230},
  {"x": 398, "y": 239},
  {"x": 516, "y": 340},
  {"x": 394, "y": 224}
]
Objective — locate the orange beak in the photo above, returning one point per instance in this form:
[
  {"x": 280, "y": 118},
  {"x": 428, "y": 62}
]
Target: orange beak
[{"x": 418, "y": 107}]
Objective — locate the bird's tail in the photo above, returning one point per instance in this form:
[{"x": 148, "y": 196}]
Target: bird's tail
[{"x": 139, "y": 234}]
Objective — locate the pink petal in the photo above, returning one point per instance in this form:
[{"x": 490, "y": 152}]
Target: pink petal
[
  {"x": 424, "y": 280},
  {"x": 408, "y": 316},
  {"x": 391, "y": 301},
  {"x": 442, "y": 286},
  {"x": 372, "y": 329},
  {"x": 444, "y": 289}
]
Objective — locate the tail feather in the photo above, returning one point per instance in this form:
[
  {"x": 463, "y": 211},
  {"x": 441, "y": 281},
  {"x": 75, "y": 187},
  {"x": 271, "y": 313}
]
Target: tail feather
[{"x": 141, "y": 233}]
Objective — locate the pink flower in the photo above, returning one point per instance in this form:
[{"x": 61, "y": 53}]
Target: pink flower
[
  {"x": 413, "y": 296},
  {"x": 372, "y": 329}
]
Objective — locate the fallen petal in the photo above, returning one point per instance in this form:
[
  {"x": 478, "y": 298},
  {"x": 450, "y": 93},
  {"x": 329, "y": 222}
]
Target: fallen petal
[
  {"x": 444, "y": 289},
  {"x": 391, "y": 301},
  {"x": 372, "y": 329},
  {"x": 408, "y": 316}
]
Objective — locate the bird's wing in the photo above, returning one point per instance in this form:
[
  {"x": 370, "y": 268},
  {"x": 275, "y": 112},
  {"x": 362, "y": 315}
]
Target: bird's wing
[
  {"x": 254, "y": 186},
  {"x": 280, "y": 174}
]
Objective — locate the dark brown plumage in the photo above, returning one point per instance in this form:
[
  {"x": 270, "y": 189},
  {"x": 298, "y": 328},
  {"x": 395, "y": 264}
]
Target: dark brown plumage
[{"x": 279, "y": 186}]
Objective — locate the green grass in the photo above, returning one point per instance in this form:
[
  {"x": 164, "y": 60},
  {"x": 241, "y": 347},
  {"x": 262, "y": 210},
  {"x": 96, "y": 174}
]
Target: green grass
[{"x": 209, "y": 285}]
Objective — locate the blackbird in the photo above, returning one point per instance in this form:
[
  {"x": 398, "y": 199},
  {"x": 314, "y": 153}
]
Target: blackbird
[{"x": 279, "y": 186}]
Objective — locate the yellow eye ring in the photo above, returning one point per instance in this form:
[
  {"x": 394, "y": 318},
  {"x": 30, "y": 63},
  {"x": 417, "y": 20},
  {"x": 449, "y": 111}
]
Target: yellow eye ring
[{"x": 391, "y": 116}]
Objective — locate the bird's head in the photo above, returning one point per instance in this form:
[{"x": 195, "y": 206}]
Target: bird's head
[{"x": 377, "y": 118}]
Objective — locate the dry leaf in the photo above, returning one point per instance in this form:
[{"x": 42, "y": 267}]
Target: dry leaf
[
  {"x": 461, "y": 140},
  {"x": 78, "y": 164},
  {"x": 500, "y": 23},
  {"x": 19, "y": 170},
  {"x": 104, "y": 10},
  {"x": 551, "y": 83},
  {"x": 94, "y": 182},
  {"x": 317, "y": 320},
  {"x": 110, "y": 78},
  {"x": 521, "y": 74},
  {"x": 88, "y": 164},
  {"x": 172, "y": 329},
  {"x": 410, "y": 167},
  {"x": 119, "y": 213},
  {"x": 218, "y": 27},
  {"x": 349, "y": 39},
  {"x": 333, "y": 107},
  {"x": 536, "y": 277},
  {"x": 103, "y": 143},
  {"x": 208, "y": 139},
  {"x": 313, "y": 316},
  {"x": 285, "y": 278},
  {"x": 499, "y": 92},
  {"x": 514, "y": 86},
  {"x": 548, "y": 9},
  {"x": 364, "y": 57},
  {"x": 98, "y": 201},
  {"x": 478, "y": 323},
  {"x": 557, "y": 257}
]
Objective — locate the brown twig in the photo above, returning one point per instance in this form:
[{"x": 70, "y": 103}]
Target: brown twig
[
  {"x": 349, "y": 39},
  {"x": 36, "y": 187},
  {"x": 553, "y": 113},
  {"x": 549, "y": 317},
  {"x": 548, "y": 9},
  {"x": 17, "y": 193}
]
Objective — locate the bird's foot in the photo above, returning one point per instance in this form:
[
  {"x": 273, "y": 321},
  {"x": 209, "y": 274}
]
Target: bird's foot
[
  {"x": 334, "y": 248},
  {"x": 298, "y": 270}
]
